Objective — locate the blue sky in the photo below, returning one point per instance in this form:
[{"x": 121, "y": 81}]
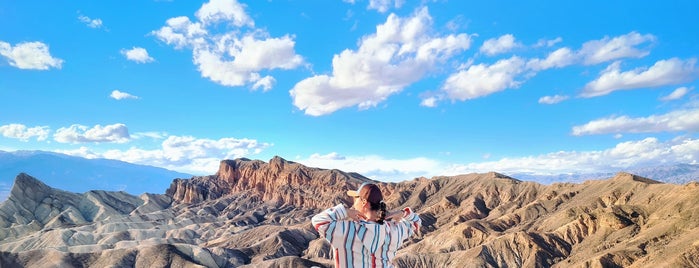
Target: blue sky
[{"x": 390, "y": 89}]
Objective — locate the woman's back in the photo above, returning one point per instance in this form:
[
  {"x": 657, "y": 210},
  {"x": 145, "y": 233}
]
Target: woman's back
[{"x": 364, "y": 243}]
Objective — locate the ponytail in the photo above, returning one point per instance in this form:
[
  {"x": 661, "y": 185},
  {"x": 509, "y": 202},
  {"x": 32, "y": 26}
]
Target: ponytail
[{"x": 382, "y": 212}]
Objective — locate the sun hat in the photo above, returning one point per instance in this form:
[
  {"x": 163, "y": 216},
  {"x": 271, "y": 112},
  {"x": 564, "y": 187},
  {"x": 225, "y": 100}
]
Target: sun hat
[
  {"x": 354, "y": 193},
  {"x": 369, "y": 192}
]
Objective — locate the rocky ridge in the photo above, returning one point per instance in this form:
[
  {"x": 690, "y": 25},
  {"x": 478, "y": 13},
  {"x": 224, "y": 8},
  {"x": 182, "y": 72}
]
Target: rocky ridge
[{"x": 256, "y": 214}]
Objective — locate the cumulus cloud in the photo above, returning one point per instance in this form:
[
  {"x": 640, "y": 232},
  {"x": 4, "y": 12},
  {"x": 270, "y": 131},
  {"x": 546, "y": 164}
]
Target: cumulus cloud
[
  {"x": 662, "y": 73},
  {"x": 499, "y": 45},
  {"x": 116, "y": 133},
  {"x": 92, "y": 23},
  {"x": 24, "y": 133},
  {"x": 235, "y": 57},
  {"x": 401, "y": 52},
  {"x": 118, "y": 95},
  {"x": 216, "y": 11},
  {"x": 680, "y": 120},
  {"x": 183, "y": 153},
  {"x": 29, "y": 55},
  {"x": 482, "y": 79},
  {"x": 137, "y": 54},
  {"x": 676, "y": 94},
  {"x": 552, "y": 99}
]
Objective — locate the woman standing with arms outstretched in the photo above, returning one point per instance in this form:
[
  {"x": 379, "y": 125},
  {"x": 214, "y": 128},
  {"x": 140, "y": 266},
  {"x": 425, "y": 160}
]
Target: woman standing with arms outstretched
[{"x": 365, "y": 235}]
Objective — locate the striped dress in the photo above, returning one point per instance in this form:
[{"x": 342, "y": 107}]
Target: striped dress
[{"x": 364, "y": 244}]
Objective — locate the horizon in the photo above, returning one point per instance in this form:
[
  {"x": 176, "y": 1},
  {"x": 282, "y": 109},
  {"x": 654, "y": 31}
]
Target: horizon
[
  {"x": 5, "y": 188},
  {"x": 387, "y": 89}
]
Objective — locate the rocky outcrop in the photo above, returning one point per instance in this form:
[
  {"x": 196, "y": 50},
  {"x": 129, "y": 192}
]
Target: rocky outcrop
[
  {"x": 280, "y": 182},
  {"x": 33, "y": 205}
]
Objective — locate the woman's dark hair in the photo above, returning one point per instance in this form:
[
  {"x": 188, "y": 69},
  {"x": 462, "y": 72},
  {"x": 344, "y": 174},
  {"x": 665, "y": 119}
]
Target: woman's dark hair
[{"x": 372, "y": 194}]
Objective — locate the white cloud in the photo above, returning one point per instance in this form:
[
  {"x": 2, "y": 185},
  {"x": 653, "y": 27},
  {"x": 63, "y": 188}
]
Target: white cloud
[
  {"x": 624, "y": 155},
  {"x": 552, "y": 99},
  {"x": 624, "y": 46},
  {"x": 662, "y": 73},
  {"x": 375, "y": 167},
  {"x": 680, "y": 120},
  {"x": 400, "y": 53},
  {"x": 593, "y": 52},
  {"x": 265, "y": 83},
  {"x": 235, "y": 57},
  {"x": 430, "y": 101},
  {"x": 150, "y": 134},
  {"x": 224, "y": 11},
  {"x": 630, "y": 154},
  {"x": 117, "y": 133},
  {"x": 560, "y": 58},
  {"x": 499, "y": 45},
  {"x": 118, "y": 95},
  {"x": 384, "y": 5},
  {"x": 23, "y": 133},
  {"x": 181, "y": 32},
  {"x": 30, "y": 55},
  {"x": 481, "y": 79},
  {"x": 183, "y": 153},
  {"x": 250, "y": 55},
  {"x": 676, "y": 94},
  {"x": 474, "y": 81},
  {"x": 137, "y": 54},
  {"x": 92, "y": 23},
  {"x": 547, "y": 42}
]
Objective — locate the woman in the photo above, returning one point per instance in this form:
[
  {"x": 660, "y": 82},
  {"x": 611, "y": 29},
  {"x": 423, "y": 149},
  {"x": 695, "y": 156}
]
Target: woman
[{"x": 361, "y": 236}]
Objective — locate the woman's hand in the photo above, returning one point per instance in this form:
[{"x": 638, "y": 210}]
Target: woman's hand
[{"x": 355, "y": 214}]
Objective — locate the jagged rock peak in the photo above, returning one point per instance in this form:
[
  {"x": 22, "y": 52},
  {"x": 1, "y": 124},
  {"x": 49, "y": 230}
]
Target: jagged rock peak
[
  {"x": 23, "y": 179},
  {"x": 26, "y": 186},
  {"x": 496, "y": 175},
  {"x": 230, "y": 170},
  {"x": 624, "y": 176}
]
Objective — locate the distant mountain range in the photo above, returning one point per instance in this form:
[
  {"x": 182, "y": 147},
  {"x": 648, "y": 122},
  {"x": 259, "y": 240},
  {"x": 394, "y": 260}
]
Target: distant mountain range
[
  {"x": 77, "y": 174},
  {"x": 675, "y": 174}
]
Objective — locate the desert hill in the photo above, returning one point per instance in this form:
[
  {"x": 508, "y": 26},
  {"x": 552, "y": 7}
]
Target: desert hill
[{"x": 253, "y": 213}]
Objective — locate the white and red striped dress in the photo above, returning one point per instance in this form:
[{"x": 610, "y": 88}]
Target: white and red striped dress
[{"x": 363, "y": 243}]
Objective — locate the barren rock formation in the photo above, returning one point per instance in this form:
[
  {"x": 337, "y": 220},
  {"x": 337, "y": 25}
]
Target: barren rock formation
[
  {"x": 279, "y": 181},
  {"x": 256, "y": 214}
]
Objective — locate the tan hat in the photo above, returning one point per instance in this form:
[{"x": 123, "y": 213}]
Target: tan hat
[
  {"x": 354, "y": 193},
  {"x": 369, "y": 192}
]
